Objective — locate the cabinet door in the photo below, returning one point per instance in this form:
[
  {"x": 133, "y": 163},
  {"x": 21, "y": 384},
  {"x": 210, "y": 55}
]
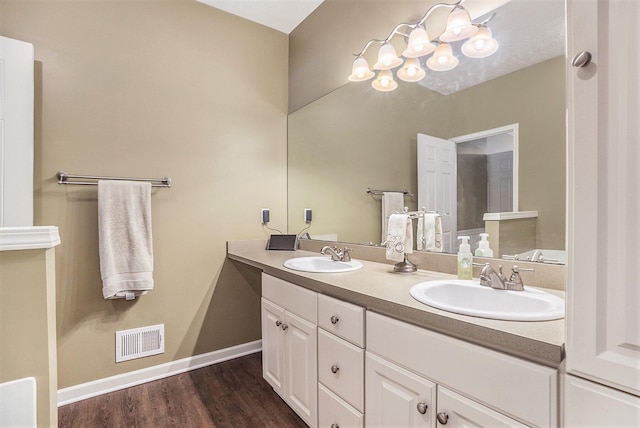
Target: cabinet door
[
  {"x": 301, "y": 388},
  {"x": 273, "y": 358},
  {"x": 456, "y": 411},
  {"x": 603, "y": 296},
  {"x": 395, "y": 397}
]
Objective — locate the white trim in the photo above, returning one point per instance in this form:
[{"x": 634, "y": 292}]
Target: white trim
[
  {"x": 510, "y": 215},
  {"x": 515, "y": 129},
  {"x": 126, "y": 380},
  {"x": 28, "y": 237}
]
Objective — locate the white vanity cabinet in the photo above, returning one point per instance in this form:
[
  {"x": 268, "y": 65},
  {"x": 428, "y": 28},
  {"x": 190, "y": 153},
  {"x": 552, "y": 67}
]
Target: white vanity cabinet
[
  {"x": 289, "y": 345},
  {"x": 340, "y": 364},
  {"x": 406, "y": 364},
  {"x": 398, "y": 397}
]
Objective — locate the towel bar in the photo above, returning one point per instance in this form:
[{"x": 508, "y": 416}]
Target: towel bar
[
  {"x": 64, "y": 177},
  {"x": 380, "y": 192}
]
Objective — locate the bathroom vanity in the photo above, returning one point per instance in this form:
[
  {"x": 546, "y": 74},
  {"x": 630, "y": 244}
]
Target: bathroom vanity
[{"x": 355, "y": 349}]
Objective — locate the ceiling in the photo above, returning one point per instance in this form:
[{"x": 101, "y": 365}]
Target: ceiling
[{"x": 281, "y": 15}]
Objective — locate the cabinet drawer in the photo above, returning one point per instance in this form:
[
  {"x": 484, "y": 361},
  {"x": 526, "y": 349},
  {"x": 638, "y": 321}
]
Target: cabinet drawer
[
  {"x": 291, "y": 297},
  {"x": 335, "y": 413},
  {"x": 524, "y": 390},
  {"x": 347, "y": 361},
  {"x": 342, "y": 319}
]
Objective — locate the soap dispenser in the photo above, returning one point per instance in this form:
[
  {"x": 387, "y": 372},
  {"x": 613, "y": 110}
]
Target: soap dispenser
[
  {"x": 465, "y": 259},
  {"x": 483, "y": 249}
]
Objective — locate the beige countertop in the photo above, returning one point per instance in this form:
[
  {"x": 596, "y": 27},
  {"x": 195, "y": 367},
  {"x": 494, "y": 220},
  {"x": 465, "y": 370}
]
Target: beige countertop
[{"x": 377, "y": 288}]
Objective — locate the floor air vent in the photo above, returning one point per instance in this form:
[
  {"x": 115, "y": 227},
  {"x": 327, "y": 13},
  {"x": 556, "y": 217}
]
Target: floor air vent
[{"x": 139, "y": 342}]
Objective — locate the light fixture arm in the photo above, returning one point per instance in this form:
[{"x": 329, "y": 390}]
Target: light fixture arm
[
  {"x": 412, "y": 26},
  {"x": 493, "y": 15}
]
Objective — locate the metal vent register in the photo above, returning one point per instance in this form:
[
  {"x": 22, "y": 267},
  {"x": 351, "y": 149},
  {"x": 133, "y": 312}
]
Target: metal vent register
[{"x": 139, "y": 342}]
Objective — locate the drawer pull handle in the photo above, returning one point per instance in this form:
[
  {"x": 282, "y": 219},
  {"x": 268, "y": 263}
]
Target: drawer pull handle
[
  {"x": 443, "y": 418},
  {"x": 334, "y": 319},
  {"x": 422, "y": 408},
  {"x": 284, "y": 326},
  {"x": 335, "y": 368},
  {"x": 278, "y": 323},
  {"x": 335, "y": 426}
]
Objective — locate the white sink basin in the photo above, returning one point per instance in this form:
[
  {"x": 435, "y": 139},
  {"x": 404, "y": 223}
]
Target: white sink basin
[
  {"x": 321, "y": 265},
  {"x": 471, "y": 298}
]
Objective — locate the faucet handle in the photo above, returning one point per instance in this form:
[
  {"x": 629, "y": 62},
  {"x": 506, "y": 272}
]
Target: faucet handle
[
  {"x": 346, "y": 257},
  {"x": 515, "y": 281}
]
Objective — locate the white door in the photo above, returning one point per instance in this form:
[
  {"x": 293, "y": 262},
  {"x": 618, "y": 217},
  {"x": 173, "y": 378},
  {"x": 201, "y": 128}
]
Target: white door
[
  {"x": 273, "y": 345},
  {"x": 395, "y": 397},
  {"x": 603, "y": 195},
  {"x": 16, "y": 133},
  {"x": 437, "y": 184},
  {"x": 301, "y": 362},
  {"x": 456, "y": 411}
]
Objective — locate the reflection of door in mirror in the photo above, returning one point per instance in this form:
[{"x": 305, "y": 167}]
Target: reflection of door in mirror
[
  {"x": 437, "y": 183},
  {"x": 478, "y": 172}
]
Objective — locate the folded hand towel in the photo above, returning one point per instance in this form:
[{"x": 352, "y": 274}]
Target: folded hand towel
[
  {"x": 392, "y": 202},
  {"x": 430, "y": 233},
  {"x": 399, "y": 237},
  {"x": 124, "y": 228}
]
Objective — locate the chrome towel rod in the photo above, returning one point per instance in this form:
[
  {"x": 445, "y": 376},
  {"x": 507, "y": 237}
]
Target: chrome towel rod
[
  {"x": 64, "y": 178},
  {"x": 380, "y": 192}
]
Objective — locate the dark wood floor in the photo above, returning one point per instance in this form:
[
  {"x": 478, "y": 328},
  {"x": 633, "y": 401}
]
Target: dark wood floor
[{"x": 228, "y": 394}]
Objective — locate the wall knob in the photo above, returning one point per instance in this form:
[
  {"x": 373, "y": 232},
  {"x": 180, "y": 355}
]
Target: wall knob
[
  {"x": 284, "y": 326},
  {"x": 335, "y": 426},
  {"x": 581, "y": 59},
  {"x": 335, "y": 368},
  {"x": 422, "y": 408},
  {"x": 443, "y": 418},
  {"x": 334, "y": 319},
  {"x": 278, "y": 323}
]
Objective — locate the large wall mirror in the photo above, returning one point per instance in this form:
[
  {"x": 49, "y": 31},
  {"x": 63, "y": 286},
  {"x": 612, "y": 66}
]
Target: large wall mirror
[{"x": 356, "y": 138}]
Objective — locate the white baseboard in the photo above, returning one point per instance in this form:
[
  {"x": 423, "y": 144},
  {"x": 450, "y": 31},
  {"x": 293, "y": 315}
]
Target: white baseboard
[{"x": 114, "y": 383}]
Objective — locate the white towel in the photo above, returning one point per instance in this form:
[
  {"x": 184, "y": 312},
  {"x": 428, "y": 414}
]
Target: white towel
[
  {"x": 430, "y": 233},
  {"x": 124, "y": 227},
  {"x": 392, "y": 202},
  {"x": 399, "y": 237}
]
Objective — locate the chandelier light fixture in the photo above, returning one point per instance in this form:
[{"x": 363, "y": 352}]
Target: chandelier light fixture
[{"x": 479, "y": 44}]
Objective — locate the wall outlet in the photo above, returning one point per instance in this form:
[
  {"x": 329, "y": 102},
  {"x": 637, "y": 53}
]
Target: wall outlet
[
  {"x": 307, "y": 215},
  {"x": 264, "y": 215}
]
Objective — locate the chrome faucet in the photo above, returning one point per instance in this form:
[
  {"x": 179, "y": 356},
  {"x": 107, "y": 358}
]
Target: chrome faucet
[
  {"x": 337, "y": 255},
  {"x": 490, "y": 278}
]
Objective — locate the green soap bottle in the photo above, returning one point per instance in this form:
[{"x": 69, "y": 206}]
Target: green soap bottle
[{"x": 465, "y": 259}]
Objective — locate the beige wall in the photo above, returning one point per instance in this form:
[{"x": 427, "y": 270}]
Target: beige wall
[
  {"x": 27, "y": 325},
  {"x": 357, "y": 137},
  {"x": 352, "y": 139},
  {"x": 148, "y": 89}
]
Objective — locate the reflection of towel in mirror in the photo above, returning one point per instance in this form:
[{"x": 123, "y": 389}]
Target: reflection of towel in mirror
[
  {"x": 429, "y": 233},
  {"x": 392, "y": 202},
  {"x": 399, "y": 237},
  {"x": 125, "y": 243}
]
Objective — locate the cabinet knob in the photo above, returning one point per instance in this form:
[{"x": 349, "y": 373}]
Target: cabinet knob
[
  {"x": 422, "y": 408},
  {"x": 335, "y": 368},
  {"x": 443, "y": 418},
  {"x": 278, "y": 323},
  {"x": 284, "y": 326},
  {"x": 581, "y": 59},
  {"x": 334, "y": 319},
  {"x": 335, "y": 426}
]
